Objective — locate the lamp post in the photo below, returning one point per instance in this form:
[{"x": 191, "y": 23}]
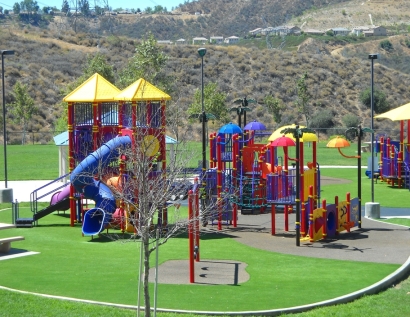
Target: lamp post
[
  {"x": 372, "y": 57},
  {"x": 4, "y": 52},
  {"x": 202, "y": 52}
]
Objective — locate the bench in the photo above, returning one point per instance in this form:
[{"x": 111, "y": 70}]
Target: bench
[{"x": 6, "y": 242}]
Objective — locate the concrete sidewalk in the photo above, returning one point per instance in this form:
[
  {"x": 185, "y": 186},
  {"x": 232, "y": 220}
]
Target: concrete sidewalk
[{"x": 23, "y": 189}]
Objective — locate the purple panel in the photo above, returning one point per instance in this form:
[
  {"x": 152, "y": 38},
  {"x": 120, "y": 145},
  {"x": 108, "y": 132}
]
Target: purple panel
[{"x": 331, "y": 220}]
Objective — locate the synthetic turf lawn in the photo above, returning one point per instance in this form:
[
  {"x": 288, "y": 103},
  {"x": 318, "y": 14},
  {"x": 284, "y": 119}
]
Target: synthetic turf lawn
[{"x": 104, "y": 270}]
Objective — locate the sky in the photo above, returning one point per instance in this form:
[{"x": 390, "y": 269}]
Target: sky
[{"x": 124, "y": 4}]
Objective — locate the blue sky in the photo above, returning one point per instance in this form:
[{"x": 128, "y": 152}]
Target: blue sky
[{"x": 130, "y": 4}]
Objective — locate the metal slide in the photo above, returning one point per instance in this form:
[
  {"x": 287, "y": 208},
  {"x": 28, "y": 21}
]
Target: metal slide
[{"x": 83, "y": 181}]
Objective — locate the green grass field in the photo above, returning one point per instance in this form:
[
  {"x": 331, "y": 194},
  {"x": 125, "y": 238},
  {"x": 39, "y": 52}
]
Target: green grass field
[
  {"x": 32, "y": 162},
  {"x": 76, "y": 266}
]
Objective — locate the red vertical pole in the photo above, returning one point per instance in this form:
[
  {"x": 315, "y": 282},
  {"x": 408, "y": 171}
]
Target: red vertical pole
[
  {"x": 286, "y": 189},
  {"x": 95, "y": 126},
  {"x": 219, "y": 182},
  {"x": 302, "y": 191},
  {"x": 399, "y": 163},
  {"x": 408, "y": 135},
  {"x": 348, "y": 212},
  {"x": 337, "y": 214},
  {"x": 392, "y": 155},
  {"x": 273, "y": 220},
  {"x": 311, "y": 202},
  {"x": 191, "y": 238},
  {"x": 71, "y": 124},
  {"x": 197, "y": 228},
  {"x": 315, "y": 189},
  {"x": 120, "y": 117},
  {"x": 235, "y": 156},
  {"x": 381, "y": 156},
  {"x": 324, "y": 231},
  {"x": 401, "y": 136}
]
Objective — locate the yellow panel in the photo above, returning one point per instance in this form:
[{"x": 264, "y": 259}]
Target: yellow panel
[
  {"x": 317, "y": 224},
  {"x": 308, "y": 179},
  {"x": 342, "y": 215},
  {"x": 94, "y": 89}
]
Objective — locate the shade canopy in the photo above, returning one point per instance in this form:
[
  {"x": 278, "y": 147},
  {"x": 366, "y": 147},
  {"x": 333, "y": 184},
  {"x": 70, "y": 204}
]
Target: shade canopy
[
  {"x": 338, "y": 142},
  {"x": 307, "y": 137},
  {"x": 255, "y": 126},
  {"x": 283, "y": 141},
  {"x": 397, "y": 114},
  {"x": 230, "y": 128}
]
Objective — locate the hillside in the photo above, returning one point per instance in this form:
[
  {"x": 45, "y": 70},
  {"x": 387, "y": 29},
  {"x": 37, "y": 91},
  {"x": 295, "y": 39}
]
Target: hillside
[{"x": 47, "y": 59}]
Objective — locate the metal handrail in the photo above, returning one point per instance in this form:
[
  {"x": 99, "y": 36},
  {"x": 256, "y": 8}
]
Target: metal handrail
[{"x": 34, "y": 198}]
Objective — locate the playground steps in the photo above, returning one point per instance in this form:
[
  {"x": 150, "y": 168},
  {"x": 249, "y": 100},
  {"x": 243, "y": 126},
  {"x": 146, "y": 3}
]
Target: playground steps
[
  {"x": 24, "y": 223},
  {"x": 28, "y": 222}
]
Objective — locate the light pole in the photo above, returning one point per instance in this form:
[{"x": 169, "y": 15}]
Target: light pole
[
  {"x": 372, "y": 57},
  {"x": 4, "y": 52},
  {"x": 202, "y": 52}
]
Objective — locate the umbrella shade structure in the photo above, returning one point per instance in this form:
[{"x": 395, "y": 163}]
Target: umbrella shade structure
[
  {"x": 397, "y": 114},
  {"x": 338, "y": 142},
  {"x": 230, "y": 128},
  {"x": 307, "y": 137},
  {"x": 255, "y": 126},
  {"x": 283, "y": 141}
]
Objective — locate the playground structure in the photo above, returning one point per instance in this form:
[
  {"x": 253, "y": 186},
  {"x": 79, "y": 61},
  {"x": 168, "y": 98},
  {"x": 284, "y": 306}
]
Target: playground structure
[
  {"x": 243, "y": 175},
  {"x": 252, "y": 177},
  {"x": 104, "y": 122},
  {"x": 394, "y": 163}
]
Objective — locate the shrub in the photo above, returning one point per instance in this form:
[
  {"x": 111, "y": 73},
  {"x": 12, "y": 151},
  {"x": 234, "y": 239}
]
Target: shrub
[
  {"x": 350, "y": 120},
  {"x": 322, "y": 120},
  {"x": 386, "y": 45}
]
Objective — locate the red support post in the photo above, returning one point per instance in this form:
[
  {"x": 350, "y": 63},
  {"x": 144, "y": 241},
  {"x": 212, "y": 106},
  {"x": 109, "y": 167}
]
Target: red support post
[
  {"x": 302, "y": 192},
  {"x": 273, "y": 220},
  {"x": 348, "y": 212},
  {"x": 311, "y": 203},
  {"x": 219, "y": 182},
  {"x": 191, "y": 238},
  {"x": 337, "y": 214},
  {"x": 235, "y": 157},
  {"x": 197, "y": 227}
]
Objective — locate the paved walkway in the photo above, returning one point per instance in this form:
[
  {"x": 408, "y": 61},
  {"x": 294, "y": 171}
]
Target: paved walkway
[{"x": 23, "y": 189}]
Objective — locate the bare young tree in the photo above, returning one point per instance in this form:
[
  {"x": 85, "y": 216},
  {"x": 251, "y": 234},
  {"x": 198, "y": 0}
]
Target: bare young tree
[{"x": 133, "y": 187}]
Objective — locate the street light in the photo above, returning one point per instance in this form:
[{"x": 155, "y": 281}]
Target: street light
[
  {"x": 372, "y": 57},
  {"x": 4, "y": 52}
]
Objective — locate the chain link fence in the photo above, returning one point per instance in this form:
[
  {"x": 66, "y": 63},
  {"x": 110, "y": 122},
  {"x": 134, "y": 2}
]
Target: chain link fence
[
  {"x": 46, "y": 137},
  {"x": 35, "y": 138}
]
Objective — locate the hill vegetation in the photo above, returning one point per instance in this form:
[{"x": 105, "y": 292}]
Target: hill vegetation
[{"x": 50, "y": 57}]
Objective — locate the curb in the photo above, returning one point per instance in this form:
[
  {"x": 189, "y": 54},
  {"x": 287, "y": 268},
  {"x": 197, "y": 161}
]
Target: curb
[{"x": 400, "y": 274}]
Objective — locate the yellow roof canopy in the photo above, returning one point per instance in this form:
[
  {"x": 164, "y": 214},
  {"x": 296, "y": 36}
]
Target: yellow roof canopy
[
  {"x": 94, "y": 89},
  {"x": 142, "y": 90}
]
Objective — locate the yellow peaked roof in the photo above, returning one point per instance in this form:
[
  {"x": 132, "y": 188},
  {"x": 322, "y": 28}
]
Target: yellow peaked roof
[
  {"x": 142, "y": 90},
  {"x": 94, "y": 89}
]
